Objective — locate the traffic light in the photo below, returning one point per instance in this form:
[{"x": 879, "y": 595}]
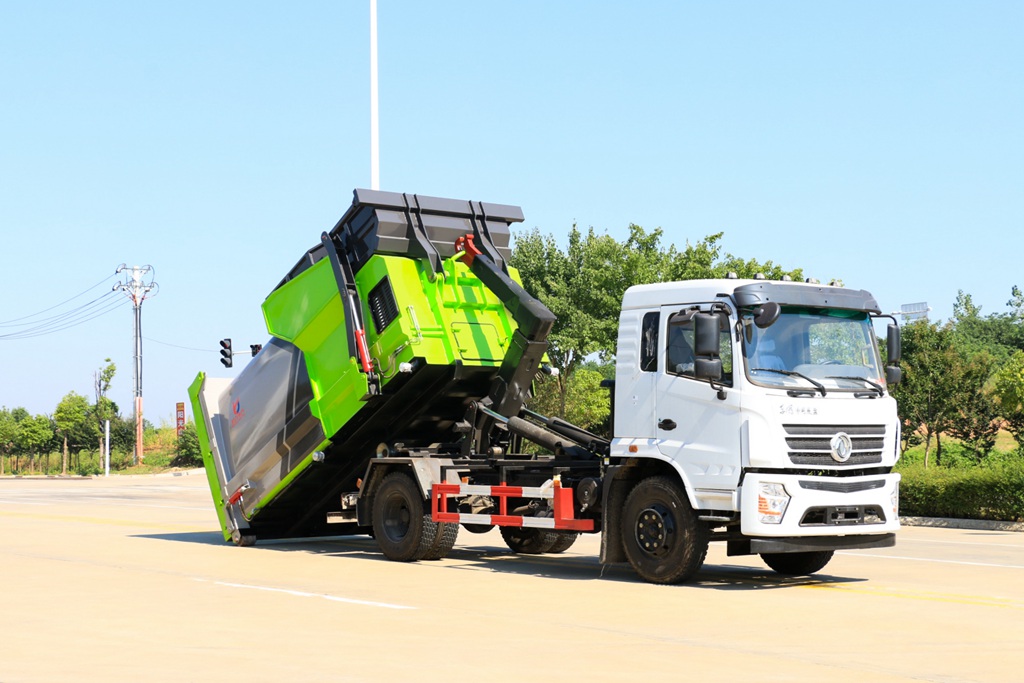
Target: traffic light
[
  {"x": 225, "y": 353},
  {"x": 255, "y": 348}
]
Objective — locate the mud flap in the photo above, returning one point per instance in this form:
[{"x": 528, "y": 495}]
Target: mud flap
[{"x": 616, "y": 487}]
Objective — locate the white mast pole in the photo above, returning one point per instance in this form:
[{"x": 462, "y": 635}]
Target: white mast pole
[{"x": 374, "y": 125}]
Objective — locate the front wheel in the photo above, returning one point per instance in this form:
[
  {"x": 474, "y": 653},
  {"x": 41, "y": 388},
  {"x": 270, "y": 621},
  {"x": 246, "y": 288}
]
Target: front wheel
[
  {"x": 663, "y": 539},
  {"x": 797, "y": 564}
]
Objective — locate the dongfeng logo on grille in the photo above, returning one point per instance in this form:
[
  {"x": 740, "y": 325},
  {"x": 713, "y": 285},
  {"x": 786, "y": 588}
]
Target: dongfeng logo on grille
[{"x": 842, "y": 447}]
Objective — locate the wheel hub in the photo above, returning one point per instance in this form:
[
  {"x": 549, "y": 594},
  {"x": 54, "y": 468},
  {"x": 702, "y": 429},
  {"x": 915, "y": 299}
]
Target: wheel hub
[
  {"x": 655, "y": 529},
  {"x": 397, "y": 519}
]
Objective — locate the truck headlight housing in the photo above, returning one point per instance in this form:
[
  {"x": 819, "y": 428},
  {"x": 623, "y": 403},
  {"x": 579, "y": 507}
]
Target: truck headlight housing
[
  {"x": 772, "y": 501},
  {"x": 896, "y": 501}
]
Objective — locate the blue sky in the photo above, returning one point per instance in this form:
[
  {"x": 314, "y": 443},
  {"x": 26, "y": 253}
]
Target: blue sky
[{"x": 876, "y": 142}]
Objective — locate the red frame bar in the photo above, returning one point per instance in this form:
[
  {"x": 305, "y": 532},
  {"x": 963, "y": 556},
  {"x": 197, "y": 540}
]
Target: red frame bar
[{"x": 565, "y": 516}]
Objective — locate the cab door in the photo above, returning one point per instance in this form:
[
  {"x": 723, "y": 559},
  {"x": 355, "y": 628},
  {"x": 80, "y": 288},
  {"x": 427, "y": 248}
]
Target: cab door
[{"x": 696, "y": 425}]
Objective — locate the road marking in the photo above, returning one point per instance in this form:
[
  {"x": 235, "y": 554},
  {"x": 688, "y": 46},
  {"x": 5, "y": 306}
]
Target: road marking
[
  {"x": 976, "y": 600},
  {"x": 928, "y": 559},
  {"x": 975, "y": 543},
  {"x": 303, "y": 594}
]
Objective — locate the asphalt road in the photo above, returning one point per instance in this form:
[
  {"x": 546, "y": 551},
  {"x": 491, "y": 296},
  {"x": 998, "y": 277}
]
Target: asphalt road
[{"x": 127, "y": 579}]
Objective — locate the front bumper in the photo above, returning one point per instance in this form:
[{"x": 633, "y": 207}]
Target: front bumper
[{"x": 822, "y": 506}]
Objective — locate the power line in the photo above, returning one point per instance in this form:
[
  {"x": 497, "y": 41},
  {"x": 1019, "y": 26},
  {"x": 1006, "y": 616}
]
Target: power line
[
  {"x": 178, "y": 346},
  {"x": 14, "y": 321},
  {"x": 77, "y": 316}
]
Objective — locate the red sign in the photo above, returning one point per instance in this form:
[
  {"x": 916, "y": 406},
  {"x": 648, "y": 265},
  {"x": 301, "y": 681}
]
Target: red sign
[{"x": 180, "y": 419}]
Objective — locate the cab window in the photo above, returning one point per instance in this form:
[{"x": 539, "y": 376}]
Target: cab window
[
  {"x": 680, "y": 355},
  {"x": 649, "y": 342}
]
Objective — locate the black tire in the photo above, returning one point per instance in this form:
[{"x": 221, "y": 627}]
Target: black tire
[
  {"x": 243, "y": 540},
  {"x": 404, "y": 532},
  {"x": 797, "y": 564},
  {"x": 564, "y": 541},
  {"x": 444, "y": 541},
  {"x": 663, "y": 539},
  {"x": 528, "y": 540},
  {"x": 478, "y": 528}
]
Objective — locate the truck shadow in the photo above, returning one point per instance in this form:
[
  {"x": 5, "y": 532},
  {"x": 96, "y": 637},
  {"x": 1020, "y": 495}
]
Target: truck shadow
[{"x": 486, "y": 557}]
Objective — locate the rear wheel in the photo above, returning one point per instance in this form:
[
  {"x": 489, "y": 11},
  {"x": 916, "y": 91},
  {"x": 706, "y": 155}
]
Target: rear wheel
[
  {"x": 444, "y": 541},
  {"x": 528, "y": 540},
  {"x": 797, "y": 564},
  {"x": 663, "y": 539},
  {"x": 564, "y": 541},
  {"x": 403, "y": 529}
]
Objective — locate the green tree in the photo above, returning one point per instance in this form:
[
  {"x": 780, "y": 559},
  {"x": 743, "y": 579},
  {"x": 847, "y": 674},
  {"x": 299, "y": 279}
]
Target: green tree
[
  {"x": 582, "y": 286},
  {"x": 8, "y": 434},
  {"x": 104, "y": 409},
  {"x": 587, "y": 404},
  {"x": 1009, "y": 392},
  {"x": 70, "y": 416},
  {"x": 999, "y": 335},
  {"x": 34, "y": 436},
  {"x": 923, "y": 397},
  {"x": 189, "y": 453},
  {"x": 975, "y": 417},
  {"x": 122, "y": 434}
]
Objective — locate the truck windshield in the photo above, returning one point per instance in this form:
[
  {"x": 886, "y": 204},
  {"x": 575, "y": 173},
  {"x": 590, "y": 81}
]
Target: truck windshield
[{"x": 814, "y": 349}]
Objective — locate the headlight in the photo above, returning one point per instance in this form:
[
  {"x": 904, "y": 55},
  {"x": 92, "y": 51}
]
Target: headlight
[
  {"x": 896, "y": 501},
  {"x": 772, "y": 501}
]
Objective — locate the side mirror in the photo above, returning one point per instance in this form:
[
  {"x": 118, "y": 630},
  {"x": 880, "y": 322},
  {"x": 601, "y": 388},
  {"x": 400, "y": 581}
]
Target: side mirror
[
  {"x": 767, "y": 314},
  {"x": 709, "y": 368},
  {"x": 893, "y": 344},
  {"x": 893, "y": 375},
  {"x": 705, "y": 335}
]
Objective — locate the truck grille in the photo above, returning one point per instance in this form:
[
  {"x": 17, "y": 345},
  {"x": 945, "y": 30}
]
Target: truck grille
[
  {"x": 810, "y": 444},
  {"x": 841, "y": 486}
]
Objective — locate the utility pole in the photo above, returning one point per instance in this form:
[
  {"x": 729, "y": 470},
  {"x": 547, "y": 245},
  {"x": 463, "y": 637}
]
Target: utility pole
[
  {"x": 137, "y": 285},
  {"x": 374, "y": 124}
]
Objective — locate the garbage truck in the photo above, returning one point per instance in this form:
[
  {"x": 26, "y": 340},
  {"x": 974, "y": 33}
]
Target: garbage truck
[{"x": 392, "y": 399}]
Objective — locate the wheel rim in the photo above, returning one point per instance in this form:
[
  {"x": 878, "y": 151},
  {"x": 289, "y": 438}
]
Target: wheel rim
[
  {"x": 655, "y": 530},
  {"x": 397, "y": 517}
]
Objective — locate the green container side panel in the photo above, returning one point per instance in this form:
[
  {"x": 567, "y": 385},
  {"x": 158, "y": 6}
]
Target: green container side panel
[
  {"x": 307, "y": 309},
  {"x": 414, "y": 331},
  {"x": 336, "y": 402},
  {"x": 441, "y": 320}
]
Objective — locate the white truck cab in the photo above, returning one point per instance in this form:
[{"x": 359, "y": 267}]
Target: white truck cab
[{"x": 768, "y": 402}]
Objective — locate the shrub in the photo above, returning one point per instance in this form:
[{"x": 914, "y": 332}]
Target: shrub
[
  {"x": 994, "y": 491},
  {"x": 189, "y": 453}
]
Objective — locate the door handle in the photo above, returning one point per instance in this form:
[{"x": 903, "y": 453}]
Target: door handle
[{"x": 668, "y": 424}]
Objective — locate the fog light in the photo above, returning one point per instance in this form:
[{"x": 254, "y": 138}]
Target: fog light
[{"x": 772, "y": 501}]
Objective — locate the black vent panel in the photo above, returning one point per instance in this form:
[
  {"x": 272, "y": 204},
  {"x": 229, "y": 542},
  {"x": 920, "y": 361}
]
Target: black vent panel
[{"x": 383, "y": 307}]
